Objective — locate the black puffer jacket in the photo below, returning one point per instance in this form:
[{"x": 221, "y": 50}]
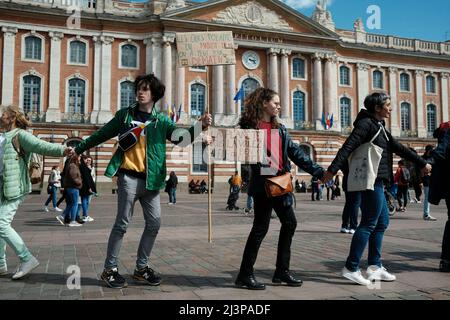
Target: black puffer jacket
[
  {"x": 290, "y": 151},
  {"x": 365, "y": 128}
]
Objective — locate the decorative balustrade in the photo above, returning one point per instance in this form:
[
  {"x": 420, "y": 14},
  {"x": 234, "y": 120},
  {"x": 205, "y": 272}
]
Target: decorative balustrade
[
  {"x": 304, "y": 125},
  {"x": 407, "y": 44},
  {"x": 75, "y": 118}
]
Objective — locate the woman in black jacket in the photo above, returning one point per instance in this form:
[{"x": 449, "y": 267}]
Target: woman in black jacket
[
  {"x": 87, "y": 190},
  {"x": 261, "y": 110},
  {"x": 439, "y": 186},
  {"x": 374, "y": 211}
]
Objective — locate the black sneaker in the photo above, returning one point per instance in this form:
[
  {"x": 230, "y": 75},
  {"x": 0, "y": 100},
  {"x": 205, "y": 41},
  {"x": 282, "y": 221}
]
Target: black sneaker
[
  {"x": 148, "y": 275},
  {"x": 80, "y": 221},
  {"x": 113, "y": 279}
]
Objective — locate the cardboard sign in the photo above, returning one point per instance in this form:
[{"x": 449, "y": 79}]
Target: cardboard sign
[{"x": 205, "y": 48}]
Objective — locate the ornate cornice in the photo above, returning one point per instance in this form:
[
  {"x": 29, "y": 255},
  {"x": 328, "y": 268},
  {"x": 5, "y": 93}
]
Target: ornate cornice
[
  {"x": 363, "y": 66},
  {"x": 58, "y": 36}
]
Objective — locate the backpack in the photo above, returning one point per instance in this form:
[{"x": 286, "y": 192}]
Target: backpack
[
  {"x": 34, "y": 168},
  {"x": 405, "y": 177}
]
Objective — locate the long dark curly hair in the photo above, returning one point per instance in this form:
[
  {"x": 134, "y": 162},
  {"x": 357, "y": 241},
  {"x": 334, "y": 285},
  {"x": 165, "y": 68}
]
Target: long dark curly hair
[{"x": 253, "y": 109}]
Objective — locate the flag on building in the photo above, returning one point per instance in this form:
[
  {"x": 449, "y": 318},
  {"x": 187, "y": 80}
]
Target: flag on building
[
  {"x": 239, "y": 95},
  {"x": 327, "y": 121}
]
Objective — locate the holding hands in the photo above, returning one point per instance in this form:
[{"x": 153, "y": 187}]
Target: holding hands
[
  {"x": 206, "y": 120},
  {"x": 328, "y": 176},
  {"x": 69, "y": 152}
]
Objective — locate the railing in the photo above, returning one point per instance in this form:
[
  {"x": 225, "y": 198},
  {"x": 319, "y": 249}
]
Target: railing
[
  {"x": 75, "y": 118},
  {"x": 304, "y": 125},
  {"x": 377, "y": 40},
  {"x": 391, "y": 42},
  {"x": 408, "y": 134},
  {"x": 36, "y": 116}
]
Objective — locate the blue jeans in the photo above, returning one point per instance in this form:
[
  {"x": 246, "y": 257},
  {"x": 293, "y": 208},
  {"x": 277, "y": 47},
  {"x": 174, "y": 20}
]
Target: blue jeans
[
  {"x": 52, "y": 197},
  {"x": 426, "y": 204},
  {"x": 85, "y": 205},
  {"x": 173, "y": 195},
  {"x": 351, "y": 209},
  {"x": 374, "y": 222},
  {"x": 71, "y": 210},
  {"x": 249, "y": 202}
]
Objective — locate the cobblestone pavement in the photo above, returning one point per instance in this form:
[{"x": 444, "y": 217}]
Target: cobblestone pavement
[{"x": 194, "y": 269}]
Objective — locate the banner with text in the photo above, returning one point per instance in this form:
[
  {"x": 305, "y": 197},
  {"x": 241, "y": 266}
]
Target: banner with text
[{"x": 205, "y": 48}]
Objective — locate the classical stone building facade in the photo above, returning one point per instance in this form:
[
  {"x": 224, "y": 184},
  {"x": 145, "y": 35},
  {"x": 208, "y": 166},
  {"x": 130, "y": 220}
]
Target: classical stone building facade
[{"x": 70, "y": 64}]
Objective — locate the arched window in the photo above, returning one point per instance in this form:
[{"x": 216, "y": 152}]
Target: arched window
[
  {"x": 127, "y": 95},
  {"x": 431, "y": 118},
  {"x": 345, "y": 112},
  {"x": 249, "y": 86},
  {"x": 405, "y": 114},
  {"x": 76, "y": 97},
  {"x": 298, "y": 68},
  {"x": 404, "y": 82},
  {"x": 197, "y": 99},
  {"x": 33, "y": 48},
  {"x": 299, "y": 109},
  {"x": 77, "y": 52},
  {"x": 378, "y": 79},
  {"x": 129, "y": 56},
  {"x": 344, "y": 78},
  {"x": 431, "y": 84},
  {"x": 31, "y": 94}
]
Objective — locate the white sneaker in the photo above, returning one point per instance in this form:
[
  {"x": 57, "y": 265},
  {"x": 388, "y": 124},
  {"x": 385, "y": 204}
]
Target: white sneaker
[
  {"x": 377, "y": 273},
  {"x": 3, "y": 270},
  {"x": 58, "y": 209},
  {"x": 88, "y": 219},
  {"x": 60, "y": 219},
  {"x": 25, "y": 268},
  {"x": 344, "y": 230},
  {"x": 46, "y": 209},
  {"x": 429, "y": 218},
  {"x": 355, "y": 277},
  {"x": 74, "y": 224},
  {"x": 351, "y": 231}
]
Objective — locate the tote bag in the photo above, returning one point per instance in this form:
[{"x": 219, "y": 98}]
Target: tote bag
[{"x": 363, "y": 165}]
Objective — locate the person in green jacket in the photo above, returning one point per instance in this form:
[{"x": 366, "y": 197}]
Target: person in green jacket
[
  {"x": 15, "y": 182},
  {"x": 140, "y": 166}
]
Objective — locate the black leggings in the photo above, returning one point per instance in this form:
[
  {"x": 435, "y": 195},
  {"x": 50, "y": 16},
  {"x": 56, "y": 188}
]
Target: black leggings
[{"x": 445, "y": 255}]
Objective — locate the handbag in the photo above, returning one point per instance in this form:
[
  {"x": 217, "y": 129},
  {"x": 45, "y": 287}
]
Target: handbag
[
  {"x": 363, "y": 165},
  {"x": 279, "y": 185}
]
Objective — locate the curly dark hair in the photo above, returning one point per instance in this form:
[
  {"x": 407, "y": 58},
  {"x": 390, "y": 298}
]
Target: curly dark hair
[
  {"x": 151, "y": 82},
  {"x": 253, "y": 109}
]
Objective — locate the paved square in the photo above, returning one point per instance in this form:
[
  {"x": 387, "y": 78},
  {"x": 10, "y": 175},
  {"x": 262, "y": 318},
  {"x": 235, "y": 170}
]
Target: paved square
[{"x": 194, "y": 269}]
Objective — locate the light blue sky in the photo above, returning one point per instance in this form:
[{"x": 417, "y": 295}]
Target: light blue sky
[{"x": 426, "y": 20}]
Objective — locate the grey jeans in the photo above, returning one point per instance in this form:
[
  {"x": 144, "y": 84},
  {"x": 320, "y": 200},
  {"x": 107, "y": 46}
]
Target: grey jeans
[{"x": 131, "y": 189}]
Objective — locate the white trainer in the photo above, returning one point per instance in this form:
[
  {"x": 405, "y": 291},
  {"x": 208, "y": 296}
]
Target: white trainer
[
  {"x": 344, "y": 230},
  {"x": 3, "y": 270},
  {"x": 355, "y": 277},
  {"x": 46, "y": 209},
  {"x": 89, "y": 219},
  {"x": 74, "y": 224},
  {"x": 25, "y": 268},
  {"x": 377, "y": 273},
  {"x": 352, "y": 231},
  {"x": 58, "y": 209}
]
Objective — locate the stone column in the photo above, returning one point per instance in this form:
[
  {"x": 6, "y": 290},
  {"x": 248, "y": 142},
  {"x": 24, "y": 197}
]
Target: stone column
[
  {"x": 331, "y": 91},
  {"x": 363, "y": 83},
  {"x": 317, "y": 91},
  {"x": 444, "y": 96},
  {"x": 53, "y": 111},
  {"x": 148, "y": 55},
  {"x": 104, "y": 113},
  {"x": 97, "y": 78},
  {"x": 156, "y": 57},
  {"x": 395, "y": 114},
  {"x": 273, "y": 68},
  {"x": 9, "y": 43},
  {"x": 181, "y": 79},
  {"x": 421, "y": 128},
  {"x": 284, "y": 88},
  {"x": 166, "y": 76},
  {"x": 218, "y": 91},
  {"x": 231, "y": 89}
]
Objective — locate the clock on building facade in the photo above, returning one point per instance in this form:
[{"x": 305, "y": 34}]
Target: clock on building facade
[{"x": 250, "y": 60}]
